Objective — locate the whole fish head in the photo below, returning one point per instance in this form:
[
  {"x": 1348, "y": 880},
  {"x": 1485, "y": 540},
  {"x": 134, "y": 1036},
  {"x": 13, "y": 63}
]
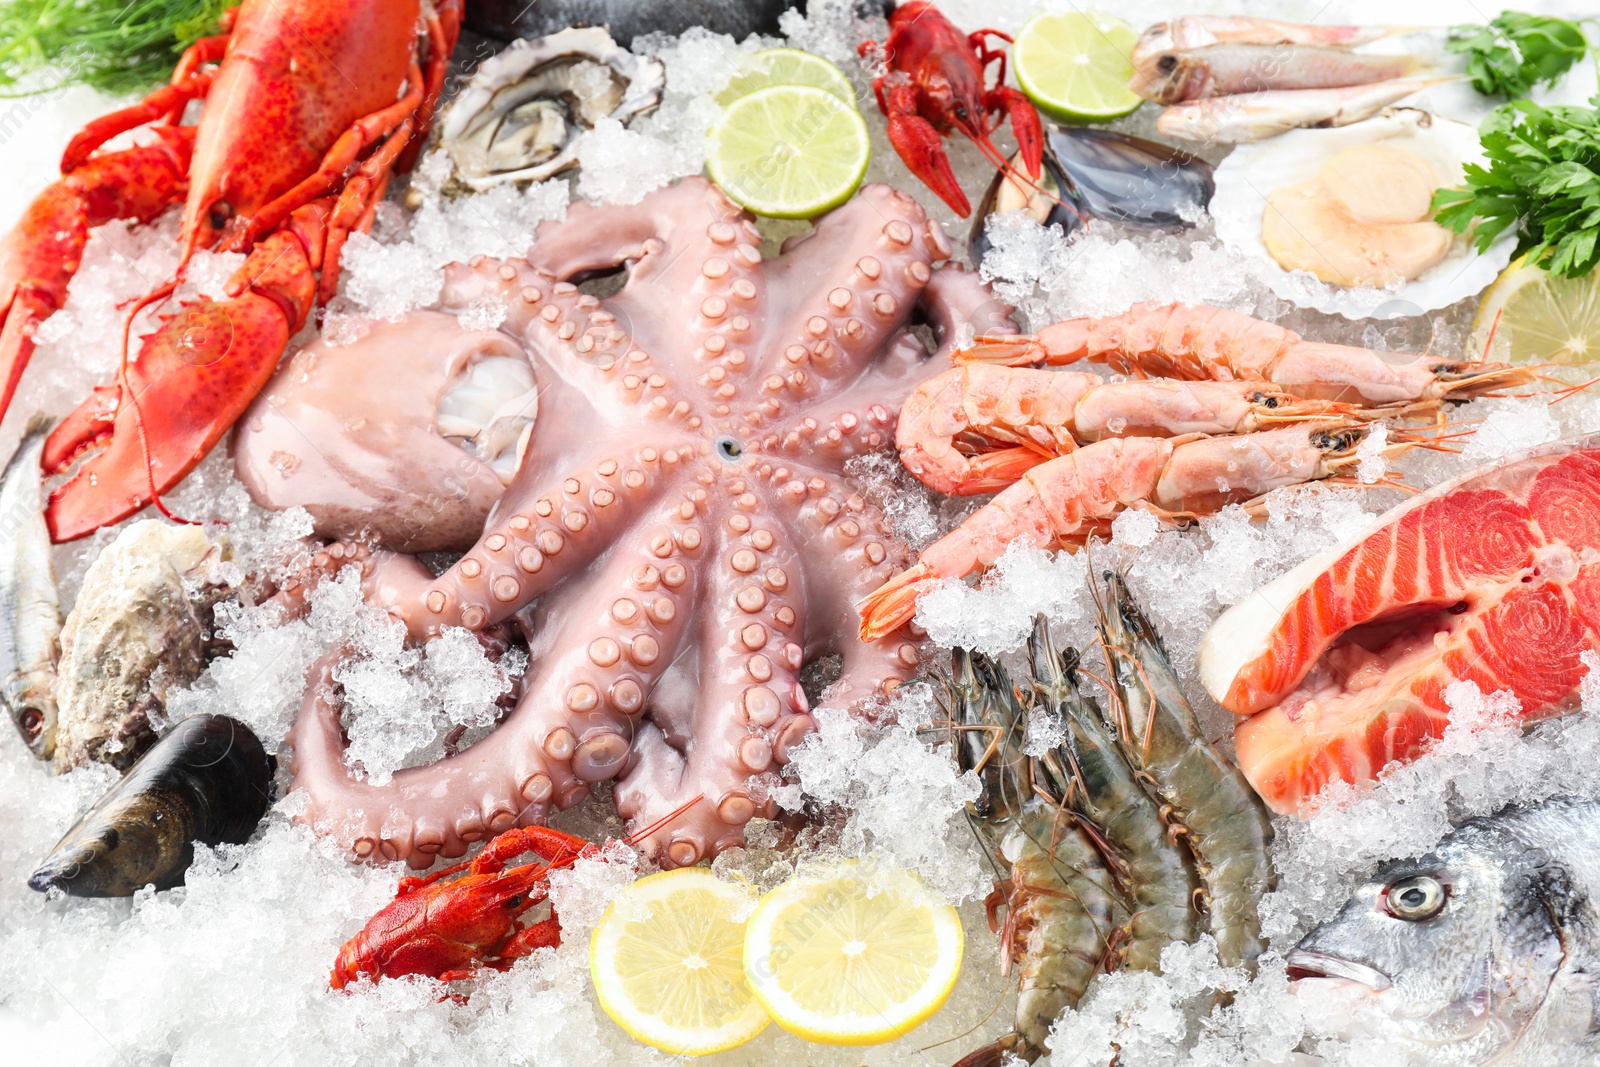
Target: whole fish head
[{"x": 1458, "y": 948}]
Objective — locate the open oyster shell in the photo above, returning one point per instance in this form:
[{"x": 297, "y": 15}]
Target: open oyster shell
[{"x": 517, "y": 118}]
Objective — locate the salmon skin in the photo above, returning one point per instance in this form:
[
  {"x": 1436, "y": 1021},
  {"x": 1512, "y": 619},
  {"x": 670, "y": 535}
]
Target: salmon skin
[{"x": 1342, "y": 664}]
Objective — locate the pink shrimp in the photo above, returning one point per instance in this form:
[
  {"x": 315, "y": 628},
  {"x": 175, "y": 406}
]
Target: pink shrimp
[
  {"x": 1071, "y": 497},
  {"x": 1180, "y": 341},
  {"x": 951, "y": 426}
]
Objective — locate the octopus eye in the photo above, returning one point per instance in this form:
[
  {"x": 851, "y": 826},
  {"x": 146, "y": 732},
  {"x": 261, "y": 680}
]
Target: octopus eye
[
  {"x": 1415, "y": 899},
  {"x": 728, "y": 447}
]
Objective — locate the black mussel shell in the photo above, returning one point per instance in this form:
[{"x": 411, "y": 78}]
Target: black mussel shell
[
  {"x": 626, "y": 19},
  {"x": 1106, "y": 175},
  {"x": 207, "y": 780}
]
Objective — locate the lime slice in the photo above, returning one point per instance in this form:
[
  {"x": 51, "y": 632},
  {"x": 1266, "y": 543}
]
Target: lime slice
[
  {"x": 786, "y": 66},
  {"x": 1075, "y": 66},
  {"x": 789, "y": 151},
  {"x": 666, "y": 963},
  {"x": 1547, "y": 319},
  {"x": 854, "y": 956}
]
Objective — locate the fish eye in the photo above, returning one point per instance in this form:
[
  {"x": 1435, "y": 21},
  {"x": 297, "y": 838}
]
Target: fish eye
[
  {"x": 1414, "y": 899},
  {"x": 32, "y": 723}
]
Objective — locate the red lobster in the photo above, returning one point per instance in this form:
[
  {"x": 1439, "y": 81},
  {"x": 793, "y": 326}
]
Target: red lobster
[
  {"x": 446, "y": 930},
  {"x": 308, "y": 107},
  {"x": 935, "y": 84}
]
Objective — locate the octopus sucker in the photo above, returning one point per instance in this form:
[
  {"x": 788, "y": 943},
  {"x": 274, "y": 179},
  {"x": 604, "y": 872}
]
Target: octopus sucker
[{"x": 679, "y": 541}]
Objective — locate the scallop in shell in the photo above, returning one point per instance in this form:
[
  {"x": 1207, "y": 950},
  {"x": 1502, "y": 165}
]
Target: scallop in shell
[
  {"x": 1260, "y": 186},
  {"x": 517, "y": 118}
]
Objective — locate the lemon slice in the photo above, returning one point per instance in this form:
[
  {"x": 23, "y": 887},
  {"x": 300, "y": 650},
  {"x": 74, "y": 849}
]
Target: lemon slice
[
  {"x": 1548, "y": 319},
  {"x": 787, "y": 66},
  {"x": 1075, "y": 65},
  {"x": 789, "y": 151},
  {"x": 666, "y": 962},
  {"x": 855, "y": 956}
]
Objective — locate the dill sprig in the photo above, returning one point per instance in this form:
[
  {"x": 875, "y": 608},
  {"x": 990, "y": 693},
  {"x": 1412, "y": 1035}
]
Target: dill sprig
[{"x": 116, "y": 46}]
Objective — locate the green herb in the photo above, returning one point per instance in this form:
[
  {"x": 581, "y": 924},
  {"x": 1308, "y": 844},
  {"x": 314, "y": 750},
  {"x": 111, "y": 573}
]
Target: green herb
[
  {"x": 1542, "y": 182},
  {"x": 117, "y": 46},
  {"x": 1515, "y": 52}
]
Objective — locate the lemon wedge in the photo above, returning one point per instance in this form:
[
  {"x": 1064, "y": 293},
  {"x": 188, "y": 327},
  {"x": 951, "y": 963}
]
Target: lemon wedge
[
  {"x": 855, "y": 955},
  {"x": 1548, "y": 319},
  {"x": 786, "y": 66},
  {"x": 666, "y": 963},
  {"x": 789, "y": 151}
]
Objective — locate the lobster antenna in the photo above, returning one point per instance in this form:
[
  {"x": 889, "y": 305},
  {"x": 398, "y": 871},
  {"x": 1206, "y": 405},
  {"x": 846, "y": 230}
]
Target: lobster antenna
[{"x": 155, "y": 296}]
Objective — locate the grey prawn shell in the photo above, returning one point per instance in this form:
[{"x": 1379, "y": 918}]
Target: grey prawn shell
[{"x": 207, "y": 780}]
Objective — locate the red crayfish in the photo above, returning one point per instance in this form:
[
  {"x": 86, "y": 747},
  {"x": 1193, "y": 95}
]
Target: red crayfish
[
  {"x": 308, "y": 107},
  {"x": 935, "y": 83},
  {"x": 448, "y": 929}
]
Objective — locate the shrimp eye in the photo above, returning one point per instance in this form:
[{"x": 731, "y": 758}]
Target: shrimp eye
[
  {"x": 1415, "y": 899},
  {"x": 1167, "y": 64}
]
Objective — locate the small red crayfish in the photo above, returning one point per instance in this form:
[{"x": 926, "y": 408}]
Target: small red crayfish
[
  {"x": 448, "y": 929},
  {"x": 935, "y": 84}
]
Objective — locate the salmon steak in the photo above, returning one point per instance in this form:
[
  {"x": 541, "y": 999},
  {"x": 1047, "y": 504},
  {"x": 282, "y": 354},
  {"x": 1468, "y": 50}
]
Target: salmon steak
[{"x": 1341, "y": 664}]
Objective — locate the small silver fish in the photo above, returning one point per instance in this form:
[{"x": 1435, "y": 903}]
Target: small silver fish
[
  {"x": 1195, "y": 57},
  {"x": 30, "y": 614},
  {"x": 1257, "y": 116},
  {"x": 1487, "y": 949}
]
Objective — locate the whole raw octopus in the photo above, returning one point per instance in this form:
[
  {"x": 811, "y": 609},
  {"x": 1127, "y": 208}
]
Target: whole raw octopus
[{"x": 679, "y": 539}]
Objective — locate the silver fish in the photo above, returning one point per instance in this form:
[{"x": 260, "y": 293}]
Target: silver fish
[
  {"x": 1257, "y": 116},
  {"x": 30, "y": 614},
  {"x": 1195, "y": 57},
  {"x": 1484, "y": 950}
]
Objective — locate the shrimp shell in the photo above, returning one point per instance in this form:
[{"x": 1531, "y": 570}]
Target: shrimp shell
[
  {"x": 1060, "y": 899},
  {"x": 1223, "y": 820},
  {"x": 1181, "y": 341},
  {"x": 1153, "y": 870}
]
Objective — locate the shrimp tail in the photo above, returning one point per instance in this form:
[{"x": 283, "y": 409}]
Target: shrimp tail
[{"x": 894, "y": 603}]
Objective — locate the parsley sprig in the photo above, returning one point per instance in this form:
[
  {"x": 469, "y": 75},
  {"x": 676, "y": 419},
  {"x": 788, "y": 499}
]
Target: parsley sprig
[
  {"x": 1516, "y": 51},
  {"x": 1543, "y": 179}
]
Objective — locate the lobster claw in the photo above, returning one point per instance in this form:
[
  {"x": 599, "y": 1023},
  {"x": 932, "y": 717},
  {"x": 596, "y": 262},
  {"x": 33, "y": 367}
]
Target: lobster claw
[
  {"x": 191, "y": 379},
  {"x": 918, "y": 144},
  {"x": 1025, "y": 125}
]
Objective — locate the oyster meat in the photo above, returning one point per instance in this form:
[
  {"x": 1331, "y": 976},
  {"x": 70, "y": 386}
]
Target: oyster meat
[{"x": 517, "y": 118}]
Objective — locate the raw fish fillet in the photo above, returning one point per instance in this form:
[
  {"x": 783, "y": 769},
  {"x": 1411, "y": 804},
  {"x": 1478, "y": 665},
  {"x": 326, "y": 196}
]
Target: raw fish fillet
[{"x": 1341, "y": 664}]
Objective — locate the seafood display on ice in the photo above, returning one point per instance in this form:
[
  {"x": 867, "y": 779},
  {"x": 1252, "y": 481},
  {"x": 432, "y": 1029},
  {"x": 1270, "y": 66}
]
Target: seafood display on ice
[
  {"x": 936, "y": 85},
  {"x": 1132, "y": 834},
  {"x": 511, "y": 20},
  {"x": 686, "y": 465},
  {"x": 448, "y": 929},
  {"x": 86, "y": 689},
  {"x": 612, "y": 429},
  {"x": 1069, "y": 452},
  {"x": 291, "y": 208},
  {"x": 1477, "y": 952},
  {"x": 208, "y": 780},
  {"x": 1352, "y": 208},
  {"x": 1228, "y": 79},
  {"x": 1341, "y": 664},
  {"x": 518, "y": 116},
  {"x": 1101, "y": 174}
]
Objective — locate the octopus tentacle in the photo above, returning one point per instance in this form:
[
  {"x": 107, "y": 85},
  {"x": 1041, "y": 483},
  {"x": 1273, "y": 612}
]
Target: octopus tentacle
[
  {"x": 959, "y": 306},
  {"x": 830, "y": 331},
  {"x": 531, "y": 544},
  {"x": 744, "y": 707},
  {"x": 574, "y": 725}
]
